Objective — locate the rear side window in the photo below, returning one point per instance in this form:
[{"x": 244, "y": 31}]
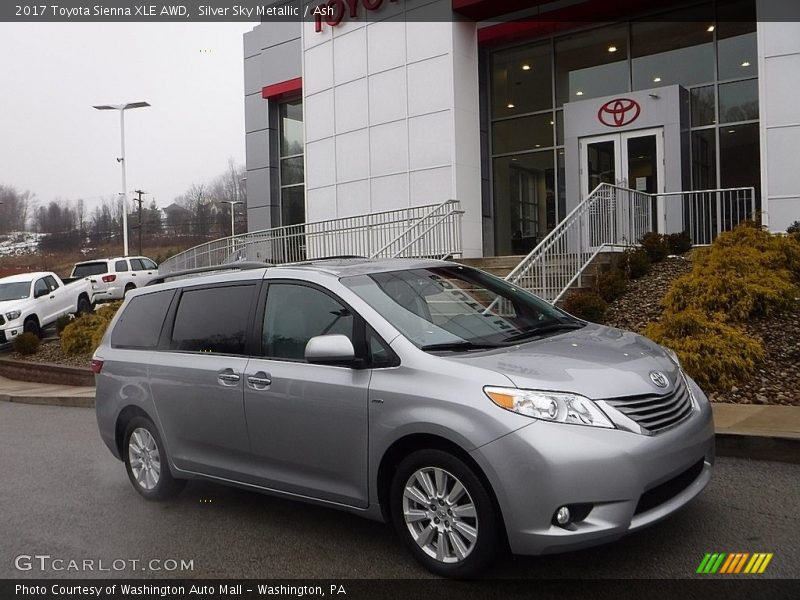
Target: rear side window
[
  {"x": 88, "y": 269},
  {"x": 121, "y": 265},
  {"x": 213, "y": 320},
  {"x": 51, "y": 282},
  {"x": 139, "y": 325}
]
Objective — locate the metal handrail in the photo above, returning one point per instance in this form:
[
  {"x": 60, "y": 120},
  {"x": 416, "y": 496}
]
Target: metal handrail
[
  {"x": 415, "y": 232},
  {"x": 613, "y": 216}
]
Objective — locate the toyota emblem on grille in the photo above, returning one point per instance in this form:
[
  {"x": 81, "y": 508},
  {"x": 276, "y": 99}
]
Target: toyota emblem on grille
[
  {"x": 659, "y": 379},
  {"x": 619, "y": 112}
]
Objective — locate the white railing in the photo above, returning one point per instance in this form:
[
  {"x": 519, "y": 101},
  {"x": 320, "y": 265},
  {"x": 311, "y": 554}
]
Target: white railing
[
  {"x": 432, "y": 231},
  {"x": 616, "y": 217}
]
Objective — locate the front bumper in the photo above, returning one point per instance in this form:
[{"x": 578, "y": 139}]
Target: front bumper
[
  {"x": 9, "y": 331},
  {"x": 631, "y": 480}
]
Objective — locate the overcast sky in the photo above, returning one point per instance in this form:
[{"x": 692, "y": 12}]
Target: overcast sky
[{"x": 53, "y": 143}]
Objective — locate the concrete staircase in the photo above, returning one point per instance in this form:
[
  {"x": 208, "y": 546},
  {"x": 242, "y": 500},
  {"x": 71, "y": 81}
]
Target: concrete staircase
[{"x": 501, "y": 266}]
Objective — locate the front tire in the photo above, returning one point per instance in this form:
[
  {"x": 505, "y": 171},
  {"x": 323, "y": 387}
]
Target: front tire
[
  {"x": 31, "y": 325},
  {"x": 444, "y": 514},
  {"x": 146, "y": 461},
  {"x": 84, "y": 306}
]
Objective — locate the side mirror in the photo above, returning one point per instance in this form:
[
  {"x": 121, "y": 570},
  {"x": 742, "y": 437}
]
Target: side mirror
[{"x": 332, "y": 349}]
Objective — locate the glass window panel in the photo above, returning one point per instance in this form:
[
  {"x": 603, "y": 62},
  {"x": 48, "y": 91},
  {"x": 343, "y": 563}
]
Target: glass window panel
[
  {"x": 313, "y": 313},
  {"x": 525, "y": 133},
  {"x": 704, "y": 159},
  {"x": 676, "y": 49},
  {"x": 592, "y": 64},
  {"x": 139, "y": 326},
  {"x": 213, "y": 320},
  {"x": 703, "y": 106},
  {"x": 601, "y": 167},
  {"x": 738, "y": 101},
  {"x": 291, "y": 128},
  {"x": 737, "y": 54},
  {"x": 292, "y": 170},
  {"x": 739, "y": 157},
  {"x": 559, "y": 128},
  {"x": 521, "y": 80},
  {"x": 524, "y": 198},
  {"x": 562, "y": 185},
  {"x": 643, "y": 164},
  {"x": 293, "y": 206}
]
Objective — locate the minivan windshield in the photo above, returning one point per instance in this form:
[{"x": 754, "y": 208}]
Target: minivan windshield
[
  {"x": 457, "y": 308},
  {"x": 15, "y": 291}
]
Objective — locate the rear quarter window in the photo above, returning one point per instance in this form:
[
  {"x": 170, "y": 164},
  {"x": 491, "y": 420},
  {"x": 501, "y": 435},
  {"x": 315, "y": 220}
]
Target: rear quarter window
[{"x": 139, "y": 325}]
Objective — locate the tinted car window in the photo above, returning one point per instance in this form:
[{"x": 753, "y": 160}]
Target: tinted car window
[
  {"x": 136, "y": 265},
  {"x": 139, "y": 325},
  {"x": 213, "y": 320},
  {"x": 88, "y": 269},
  {"x": 380, "y": 355},
  {"x": 149, "y": 264},
  {"x": 40, "y": 288},
  {"x": 51, "y": 282},
  {"x": 120, "y": 265},
  {"x": 295, "y": 314}
]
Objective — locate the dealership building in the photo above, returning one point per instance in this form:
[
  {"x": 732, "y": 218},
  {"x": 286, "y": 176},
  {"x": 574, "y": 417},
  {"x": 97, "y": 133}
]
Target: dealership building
[{"x": 519, "y": 109}]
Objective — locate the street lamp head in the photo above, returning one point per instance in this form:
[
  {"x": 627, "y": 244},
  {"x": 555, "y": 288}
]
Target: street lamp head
[{"x": 121, "y": 106}]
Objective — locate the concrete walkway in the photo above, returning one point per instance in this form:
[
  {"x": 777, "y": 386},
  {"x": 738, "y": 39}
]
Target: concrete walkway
[
  {"x": 736, "y": 419},
  {"x": 12, "y": 390}
]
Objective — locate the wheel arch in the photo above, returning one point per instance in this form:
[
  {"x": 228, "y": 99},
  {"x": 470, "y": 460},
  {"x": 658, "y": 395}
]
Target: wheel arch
[
  {"x": 123, "y": 418},
  {"x": 409, "y": 443}
]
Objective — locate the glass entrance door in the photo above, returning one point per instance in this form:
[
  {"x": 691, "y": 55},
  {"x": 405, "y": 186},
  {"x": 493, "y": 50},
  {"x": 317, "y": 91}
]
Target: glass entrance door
[{"x": 633, "y": 160}]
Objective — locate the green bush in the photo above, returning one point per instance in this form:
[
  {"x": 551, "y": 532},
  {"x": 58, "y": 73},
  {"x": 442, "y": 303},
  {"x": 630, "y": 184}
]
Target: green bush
[
  {"x": 716, "y": 354},
  {"x": 656, "y": 246},
  {"x": 679, "y": 243},
  {"x": 611, "y": 284},
  {"x": 85, "y": 333},
  {"x": 586, "y": 305},
  {"x": 745, "y": 274},
  {"x": 27, "y": 343},
  {"x": 637, "y": 263},
  {"x": 62, "y": 322}
]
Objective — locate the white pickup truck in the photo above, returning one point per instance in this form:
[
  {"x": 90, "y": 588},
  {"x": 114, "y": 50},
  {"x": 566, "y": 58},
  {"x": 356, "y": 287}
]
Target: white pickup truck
[{"x": 31, "y": 301}]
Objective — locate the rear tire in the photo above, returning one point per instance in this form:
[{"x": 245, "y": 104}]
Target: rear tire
[
  {"x": 128, "y": 288},
  {"x": 444, "y": 514},
  {"x": 84, "y": 306},
  {"x": 146, "y": 461},
  {"x": 31, "y": 325}
]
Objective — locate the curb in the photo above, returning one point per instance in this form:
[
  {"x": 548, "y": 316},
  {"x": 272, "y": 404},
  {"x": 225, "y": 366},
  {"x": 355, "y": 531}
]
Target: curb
[
  {"x": 42, "y": 372},
  {"x": 68, "y": 401},
  {"x": 760, "y": 447}
]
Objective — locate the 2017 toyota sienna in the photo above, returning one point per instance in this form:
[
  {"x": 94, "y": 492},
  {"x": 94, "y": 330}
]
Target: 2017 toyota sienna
[{"x": 467, "y": 411}]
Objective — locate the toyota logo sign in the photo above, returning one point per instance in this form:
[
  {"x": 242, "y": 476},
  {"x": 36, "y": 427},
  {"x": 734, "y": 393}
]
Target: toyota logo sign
[
  {"x": 659, "y": 379},
  {"x": 619, "y": 112}
]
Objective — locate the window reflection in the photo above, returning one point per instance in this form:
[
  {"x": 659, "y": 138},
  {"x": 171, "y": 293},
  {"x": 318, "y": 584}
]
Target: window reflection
[
  {"x": 521, "y": 80},
  {"x": 738, "y": 101}
]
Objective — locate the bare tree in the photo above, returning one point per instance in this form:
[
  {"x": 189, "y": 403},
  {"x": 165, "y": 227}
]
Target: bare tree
[{"x": 14, "y": 209}]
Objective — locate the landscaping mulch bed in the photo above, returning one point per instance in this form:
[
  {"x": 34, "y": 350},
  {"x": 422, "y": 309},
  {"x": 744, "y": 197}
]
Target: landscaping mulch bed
[
  {"x": 777, "y": 379},
  {"x": 50, "y": 352}
]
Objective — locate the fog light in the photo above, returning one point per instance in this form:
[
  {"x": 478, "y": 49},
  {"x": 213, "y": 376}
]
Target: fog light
[
  {"x": 563, "y": 516},
  {"x": 14, "y": 332}
]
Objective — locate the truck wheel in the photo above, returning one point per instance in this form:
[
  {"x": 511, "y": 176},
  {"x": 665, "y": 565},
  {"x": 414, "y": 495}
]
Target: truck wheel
[
  {"x": 444, "y": 514},
  {"x": 32, "y": 326},
  {"x": 146, "y": 461},
  {"x": 84, "y": 306},
  {"x": 128, "y": 288}
]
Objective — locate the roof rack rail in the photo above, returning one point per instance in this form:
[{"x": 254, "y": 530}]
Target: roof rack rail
[
  {"x": 234, "y": 266},
  {"x": 311, "y": 261}
]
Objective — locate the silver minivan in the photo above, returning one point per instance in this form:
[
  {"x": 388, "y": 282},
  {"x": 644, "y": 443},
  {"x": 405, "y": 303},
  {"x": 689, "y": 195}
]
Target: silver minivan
[{"x": 467, "y": 411}]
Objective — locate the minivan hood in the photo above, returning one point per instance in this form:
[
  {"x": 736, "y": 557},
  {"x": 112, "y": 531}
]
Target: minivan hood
[{"x": 595, "y": 361}]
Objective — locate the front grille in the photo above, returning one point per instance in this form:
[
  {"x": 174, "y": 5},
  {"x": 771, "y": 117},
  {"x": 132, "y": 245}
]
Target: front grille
[
  {"x": 3, "y": 339},
  {"x": 2, "y": 320},
  {"x": 669, "y": 489},
  {"x": 656, "y": 413}
]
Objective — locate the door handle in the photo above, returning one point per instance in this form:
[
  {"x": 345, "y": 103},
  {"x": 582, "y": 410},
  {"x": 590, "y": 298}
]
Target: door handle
[
  {"x": 260, "y": 380},
  {"x": 228, "y": 376}
]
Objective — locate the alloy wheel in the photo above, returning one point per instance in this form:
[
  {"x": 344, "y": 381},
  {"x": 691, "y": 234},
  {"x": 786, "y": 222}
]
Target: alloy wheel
[
  {"x": 144, "y": 458},
  {"x": 440, "y": 515}
]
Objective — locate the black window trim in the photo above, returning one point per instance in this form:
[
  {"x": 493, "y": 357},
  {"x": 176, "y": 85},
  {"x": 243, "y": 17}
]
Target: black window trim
[
  {"x": 359, "y": 328},
  {"x": 165, "y": 341}
]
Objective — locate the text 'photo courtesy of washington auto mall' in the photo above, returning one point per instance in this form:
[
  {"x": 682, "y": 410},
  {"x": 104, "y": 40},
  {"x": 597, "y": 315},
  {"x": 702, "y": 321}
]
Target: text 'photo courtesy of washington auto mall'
[{"x": 391, "y": 298}]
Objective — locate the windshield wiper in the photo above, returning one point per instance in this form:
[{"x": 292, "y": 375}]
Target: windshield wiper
[
  {"x": 537, "y": 331},
  {"x": 462, "y": 346}
]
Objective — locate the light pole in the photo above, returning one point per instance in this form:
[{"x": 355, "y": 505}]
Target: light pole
[
  {"x": 122, "y": 108},
  {"x": 232, "y": 204}
]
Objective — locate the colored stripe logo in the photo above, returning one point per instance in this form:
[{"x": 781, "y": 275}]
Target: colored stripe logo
[{"x": 734, "y": 563}]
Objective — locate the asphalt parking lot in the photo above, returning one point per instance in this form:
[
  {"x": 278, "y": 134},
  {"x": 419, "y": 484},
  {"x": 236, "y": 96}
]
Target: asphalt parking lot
[{"x": 64, "y": 495}]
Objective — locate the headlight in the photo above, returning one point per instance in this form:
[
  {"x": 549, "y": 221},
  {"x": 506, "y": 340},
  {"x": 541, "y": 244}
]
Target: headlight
[
  {"x": 559, "y": 407},
  {"x": 671, "y": 353},
  {"x": 14, "y": 314}
]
